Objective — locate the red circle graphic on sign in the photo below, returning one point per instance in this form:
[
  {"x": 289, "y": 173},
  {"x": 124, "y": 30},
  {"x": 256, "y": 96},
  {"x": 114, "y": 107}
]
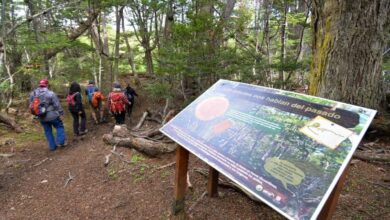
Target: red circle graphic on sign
[{"x": 211, "y": 108}]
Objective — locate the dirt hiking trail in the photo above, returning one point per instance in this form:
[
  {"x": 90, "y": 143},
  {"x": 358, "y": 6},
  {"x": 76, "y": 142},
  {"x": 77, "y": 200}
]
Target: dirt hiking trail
[{"x": 36, "y": 184}]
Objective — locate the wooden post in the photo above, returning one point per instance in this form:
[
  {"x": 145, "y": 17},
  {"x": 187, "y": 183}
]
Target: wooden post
[
  {"x": 330, "y": 205},
  {"x": 180, "y": 179},
  {"x": 212, "y": 185}
]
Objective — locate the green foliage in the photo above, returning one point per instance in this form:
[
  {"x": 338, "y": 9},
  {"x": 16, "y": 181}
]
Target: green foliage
[
  {"x": 112, "y": 173},
  {"x": 137, "y": 158},
  {"x": 202, "y": 45},
  {"x": 158, "y": 90},
  {"x": 5, "y": 86}
]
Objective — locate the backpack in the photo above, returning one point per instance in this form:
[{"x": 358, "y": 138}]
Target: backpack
[
  {"x": 129, "y": 96},
  {"x": 90, "y": 92},
  {"x": 38, "y": 106},
  {"x": 116, "y": 102},
  {"x": 96, "y": 99},
  {"x": 70, "y": 99}
]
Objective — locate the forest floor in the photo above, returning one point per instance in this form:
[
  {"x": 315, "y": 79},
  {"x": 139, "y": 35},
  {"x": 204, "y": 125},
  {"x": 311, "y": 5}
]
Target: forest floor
[{"x": 34, "y": 183}]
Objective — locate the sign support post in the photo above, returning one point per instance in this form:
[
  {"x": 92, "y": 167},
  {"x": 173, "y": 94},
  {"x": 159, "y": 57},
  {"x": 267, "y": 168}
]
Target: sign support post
[
  {"x": 330, "y": 205},
  {"x": 182, "y": 156},
  {"x": 212, "y": 185}
]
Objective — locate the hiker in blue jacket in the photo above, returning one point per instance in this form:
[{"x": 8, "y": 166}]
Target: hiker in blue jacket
[
  {"x": 96, "y": 111},
  {"x": 75, "y": 106},
  {"x": 50, "y": 113}
]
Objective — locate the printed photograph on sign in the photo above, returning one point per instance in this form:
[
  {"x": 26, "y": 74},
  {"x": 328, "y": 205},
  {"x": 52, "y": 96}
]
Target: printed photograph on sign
[
  {"x": 285, "y": 148},
  {"x": 326, "y": 132}
]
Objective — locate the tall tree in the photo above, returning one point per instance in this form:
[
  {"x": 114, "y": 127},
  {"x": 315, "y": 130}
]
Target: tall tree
[
  {"x": 142, "y": 19},
  {"x": 130, "y": 52},
  {"x": 117, "y": 37},
  {"x": 283, "y": 36},
  {"x": 349, "y": 38}
]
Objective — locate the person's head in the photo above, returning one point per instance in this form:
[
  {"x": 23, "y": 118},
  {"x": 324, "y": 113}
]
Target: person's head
[
  {"x": 128, "y": 87},
  {"x": 117, "y": 85},
  {"x": 74, "y": 87},
  {"x": 43, "y": 83},
  {"x": 91, "y": 82}
]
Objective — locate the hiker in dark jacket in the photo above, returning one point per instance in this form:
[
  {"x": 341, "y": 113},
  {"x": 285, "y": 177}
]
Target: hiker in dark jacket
[
  {"x": 53, "y": 114},
  {"x": 75, "y": 106},
  {"x": 130, "y": 93},
  {"x": 117, "y": 102}
]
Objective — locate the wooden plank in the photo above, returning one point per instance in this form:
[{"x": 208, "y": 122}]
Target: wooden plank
[
  {"x": 180, "y": 179},
  {"x": 212, "y": 185},
  {"x": 330, "y": 205}
]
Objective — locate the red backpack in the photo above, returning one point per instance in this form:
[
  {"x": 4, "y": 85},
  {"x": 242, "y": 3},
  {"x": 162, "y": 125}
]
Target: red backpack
[
  {"x": 70, "y": 99},
  {"x": 116, "y": 102},
  {"x": 38, "y": 107}
]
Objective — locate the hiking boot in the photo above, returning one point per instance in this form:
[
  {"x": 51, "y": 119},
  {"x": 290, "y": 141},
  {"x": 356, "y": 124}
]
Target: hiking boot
[
  {"x": 83, "y": 132},
  {"x": 62, "y": 145}
]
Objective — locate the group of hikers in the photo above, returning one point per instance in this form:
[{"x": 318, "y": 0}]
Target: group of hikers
[{"x": 46, "y": 106}]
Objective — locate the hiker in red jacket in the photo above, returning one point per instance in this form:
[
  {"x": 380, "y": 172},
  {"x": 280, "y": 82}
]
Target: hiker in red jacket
[{"x": 117, "y": 102}]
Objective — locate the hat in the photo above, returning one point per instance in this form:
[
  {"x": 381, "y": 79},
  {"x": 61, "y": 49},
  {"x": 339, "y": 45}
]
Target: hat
[
  {"x": 117, "y": 85},
  {"x": 43, "y": 83},
  {"x": 91, "y": 82}
]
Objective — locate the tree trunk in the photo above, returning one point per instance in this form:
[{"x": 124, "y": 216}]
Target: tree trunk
[
  {"x": 169, "y": 21},
  {"x": 149, "y": 61},
  {"x": 130, "y": 53},
  {"x": 349, "y": 37},
  {"x": 104, "y": 64},
  {"x": 283, "y": 36},
  {"x": 108, "y": 78},
  {"x": 4, "y": 118},
  {"x": 117, "y": 36},
  {"x": 267, "y": 39}
]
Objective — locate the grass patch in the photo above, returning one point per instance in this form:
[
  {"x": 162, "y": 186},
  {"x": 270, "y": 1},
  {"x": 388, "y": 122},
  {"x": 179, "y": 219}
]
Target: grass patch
[
  {"x": 137, "y": 158},
  {"x": 165, "y": 174},
  {"x": 112, "y": 174}
]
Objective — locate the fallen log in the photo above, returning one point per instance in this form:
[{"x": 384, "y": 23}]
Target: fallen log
[
  {"x": 380, "y": 126},
  {"x": 154, "y": 119},
  {"x": 169, "y": 116},
  {"x": 6, "y": 155},
  {"x": 197, "y": 201},
  {"x": 372, "y": 157},
  {"x": 10, "y": 122},
  {"x": 151, "y": 133},
  {"x": 141, "y": 121},
  {"x": 156, "y": 131},
  {"x": 150, "y": 148}
]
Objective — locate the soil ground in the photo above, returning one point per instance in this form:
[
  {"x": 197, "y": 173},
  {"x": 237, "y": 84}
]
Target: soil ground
[{"x": 33, "y": 182}]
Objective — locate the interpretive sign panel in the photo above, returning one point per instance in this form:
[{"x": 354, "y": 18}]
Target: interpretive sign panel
[{"x": 287, "y": 149}]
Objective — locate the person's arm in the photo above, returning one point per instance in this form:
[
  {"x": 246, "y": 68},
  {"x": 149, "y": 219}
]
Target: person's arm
[
  {"x": 56, "y": 104},
  {"x": 108, "y": 101},
  {"x": 125, "y": 100},
  {"x": 31, "y": 98},
  {"x": 135, "y": 93},
  {"x": 79, "y": 103}
]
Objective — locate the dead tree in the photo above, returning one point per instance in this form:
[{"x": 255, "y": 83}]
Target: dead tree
[
  {"x": 148, "y": 147},
  {"x": 4, "y": 118}
]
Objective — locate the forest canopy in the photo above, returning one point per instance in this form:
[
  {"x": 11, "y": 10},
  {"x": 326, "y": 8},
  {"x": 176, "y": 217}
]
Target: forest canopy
[{"x": 184, "y": 46}]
